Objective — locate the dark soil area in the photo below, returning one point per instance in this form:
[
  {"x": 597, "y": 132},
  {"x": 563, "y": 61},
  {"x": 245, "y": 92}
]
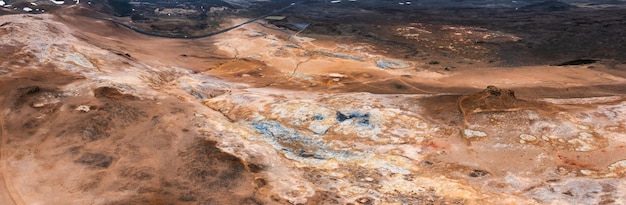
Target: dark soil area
[{"x": 548, "y": 32}]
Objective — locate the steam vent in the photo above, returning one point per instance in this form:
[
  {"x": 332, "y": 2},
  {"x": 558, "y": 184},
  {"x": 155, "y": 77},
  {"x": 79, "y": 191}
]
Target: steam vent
[{"x": 312, "y": 102}]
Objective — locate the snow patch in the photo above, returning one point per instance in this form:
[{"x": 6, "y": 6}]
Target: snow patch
[
  {"x": 473, "y": 133},
  {"x": 57, "y": 2}
]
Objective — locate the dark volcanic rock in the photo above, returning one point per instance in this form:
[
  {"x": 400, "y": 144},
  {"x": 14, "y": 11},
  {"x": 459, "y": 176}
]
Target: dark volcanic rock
[
  {"x": 95, "y": 160},
  {"x": 577, "y": 62},
  {"x": 112, "y": 93},
  {"x": 548, "y": 6}
]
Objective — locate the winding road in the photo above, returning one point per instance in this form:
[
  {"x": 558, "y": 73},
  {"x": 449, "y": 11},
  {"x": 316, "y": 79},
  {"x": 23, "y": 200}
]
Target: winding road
[{"x": 198, "y": 36}]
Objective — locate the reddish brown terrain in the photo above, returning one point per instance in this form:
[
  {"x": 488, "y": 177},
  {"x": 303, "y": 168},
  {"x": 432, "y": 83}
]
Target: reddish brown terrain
[{"x": 422, "y": 103}]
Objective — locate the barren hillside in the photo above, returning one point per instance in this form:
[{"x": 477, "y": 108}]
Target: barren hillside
[{"x": 94, "y": 113}]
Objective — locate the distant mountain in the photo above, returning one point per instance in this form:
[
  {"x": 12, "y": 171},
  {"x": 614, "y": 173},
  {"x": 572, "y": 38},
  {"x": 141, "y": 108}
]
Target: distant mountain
[{"x": 548, "y": 6}]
